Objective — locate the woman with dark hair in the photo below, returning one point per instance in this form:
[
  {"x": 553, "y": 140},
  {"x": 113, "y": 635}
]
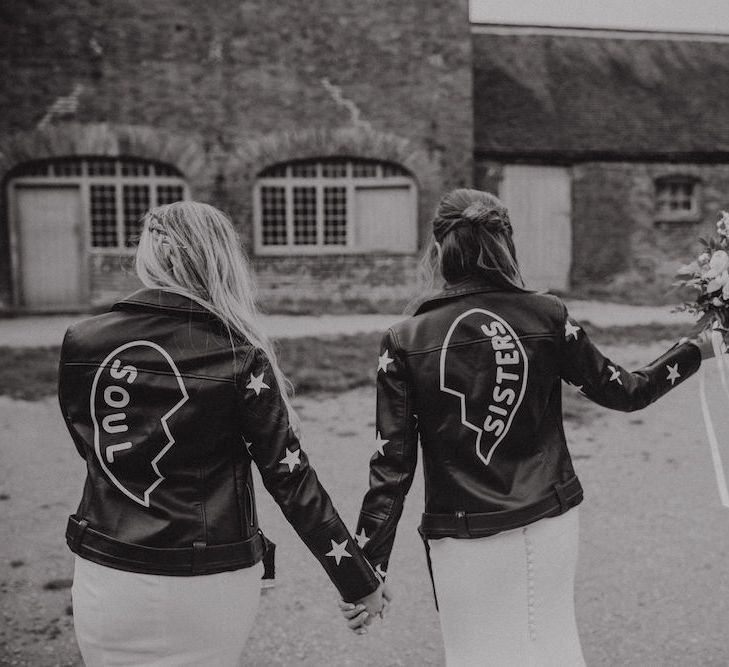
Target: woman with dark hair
[{"x": 476, "y": 374}]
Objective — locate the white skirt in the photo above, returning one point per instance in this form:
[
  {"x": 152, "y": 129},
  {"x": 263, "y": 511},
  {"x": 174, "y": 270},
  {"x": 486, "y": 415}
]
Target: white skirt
[
  {"x": 508, "y": 600},
  {"x": 143, "y": 620}
]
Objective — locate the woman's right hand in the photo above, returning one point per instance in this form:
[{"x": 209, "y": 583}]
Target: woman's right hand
[{"x": 703, "y": 340}]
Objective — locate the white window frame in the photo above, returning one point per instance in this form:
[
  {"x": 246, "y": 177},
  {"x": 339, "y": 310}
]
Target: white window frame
[
  {"x": 680, "y": 214},
  {"x": 349, "y": 182},
  {"x": 84, "y": 181}
]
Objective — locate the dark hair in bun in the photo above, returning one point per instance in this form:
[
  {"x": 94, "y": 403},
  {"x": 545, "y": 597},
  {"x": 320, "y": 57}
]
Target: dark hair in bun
[{"x": 475, "y": 234}]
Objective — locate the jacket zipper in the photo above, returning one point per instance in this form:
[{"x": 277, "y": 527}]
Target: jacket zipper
[{"x": 249, "y": 505}]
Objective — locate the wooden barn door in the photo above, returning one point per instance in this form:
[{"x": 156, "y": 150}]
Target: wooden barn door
[
  {"x": 49, "y": 224},
  {"x": 539, "y": 203}
]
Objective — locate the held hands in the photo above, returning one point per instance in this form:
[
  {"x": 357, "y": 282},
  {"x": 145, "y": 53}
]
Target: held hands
[{"x": 361, "y": 613}]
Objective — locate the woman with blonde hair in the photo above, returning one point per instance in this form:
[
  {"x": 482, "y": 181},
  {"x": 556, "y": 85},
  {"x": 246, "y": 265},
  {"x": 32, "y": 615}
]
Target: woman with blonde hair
[
  {"x": 169, "y": 398},
  {"x": 475, "y": 376}
]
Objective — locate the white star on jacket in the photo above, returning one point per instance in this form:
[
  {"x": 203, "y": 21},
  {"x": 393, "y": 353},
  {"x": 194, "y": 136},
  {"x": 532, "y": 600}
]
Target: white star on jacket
[
  {"x": 291, "y": 459},
  {"x": 361, "y": 538},
  {"x": 570, "y": 330},
  {"x": 339, "y": 551},
  {"x": 380, "y": 442},
  {"x": 257, "y": 384},
  {"x": 383, "y": 361},
  {"x": 673, "y": 373},
  {"x": 615, "y": 375}
]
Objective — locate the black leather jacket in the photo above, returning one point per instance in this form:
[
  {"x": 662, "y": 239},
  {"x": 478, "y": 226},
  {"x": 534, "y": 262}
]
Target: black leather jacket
[
  {"x": 477, "y": 373},
  {"x": 169, "y": 414}
]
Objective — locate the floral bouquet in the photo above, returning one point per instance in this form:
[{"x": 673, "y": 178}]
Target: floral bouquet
[{"x": 708, "y": 274}]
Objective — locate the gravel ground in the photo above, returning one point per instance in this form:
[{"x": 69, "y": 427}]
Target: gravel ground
[{"x": 652, "y": 584}]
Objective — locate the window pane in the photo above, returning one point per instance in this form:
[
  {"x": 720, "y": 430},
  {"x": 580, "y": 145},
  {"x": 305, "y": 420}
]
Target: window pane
[
  {"x": 389, "y": 170},
  {"x": 277, "y": 171},
  {"x": 32, "y": 169},
  {"x": 334, "y": 169},
  {"x": 273, "y": 216},
  {"x": 167, "y": 194},
  {"x": 335, "y": 216},
  {"x": 67, "y": 168},
  {"x": 136, "y": 203},
  {"x": 103, "y": 216},
  {"x": 166, "y": 170},
  {"x": 364, "y": 170},
  {"x": 305, "y": 170},
  {"x": 304, "y": 216},
  {"x": 102, "y": 167},
  {"x": 134, "y": 168}
]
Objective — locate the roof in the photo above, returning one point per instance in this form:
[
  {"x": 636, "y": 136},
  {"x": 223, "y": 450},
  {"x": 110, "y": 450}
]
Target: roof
[{"x": 551, "y": 93}]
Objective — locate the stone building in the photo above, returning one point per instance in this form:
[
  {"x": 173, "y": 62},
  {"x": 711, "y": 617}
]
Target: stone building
[
  {"x": 611, "y": 149},
  {"x": 325, "y": 129}
]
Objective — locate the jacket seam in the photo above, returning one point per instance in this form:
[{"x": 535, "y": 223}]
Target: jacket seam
[
  {"x": 322, "y": 527},
  {"x": 192, "y": 376},
  {"x": 245, "y": 367},
  {"x": 155, "y": 306},
  {"x": 435, "y": 348},
  {"x": 396, "y": 502}
]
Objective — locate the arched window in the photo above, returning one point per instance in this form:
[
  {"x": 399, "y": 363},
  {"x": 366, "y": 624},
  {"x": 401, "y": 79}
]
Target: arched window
[
  {"x": 677, "y": 199},
  {"x": 114, "y": 192},
  {"x": 335, "y": 205}
]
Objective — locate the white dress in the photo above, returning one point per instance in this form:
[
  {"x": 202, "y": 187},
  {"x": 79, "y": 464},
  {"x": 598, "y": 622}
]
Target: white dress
[
  {"x": 145, "y": 620},
  {"x": 508, "y": 600}
]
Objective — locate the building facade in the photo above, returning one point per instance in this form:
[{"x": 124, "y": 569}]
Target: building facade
[
  {"x": 326, "y": 130},
  {"x": 611, "y": 149}
]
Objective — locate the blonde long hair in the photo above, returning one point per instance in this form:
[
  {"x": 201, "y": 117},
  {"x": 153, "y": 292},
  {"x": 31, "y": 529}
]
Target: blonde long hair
[{"x": 192, "y": 249}]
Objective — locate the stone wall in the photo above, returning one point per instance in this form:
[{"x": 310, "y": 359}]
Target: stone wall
[{"x": 620, "y": 250}]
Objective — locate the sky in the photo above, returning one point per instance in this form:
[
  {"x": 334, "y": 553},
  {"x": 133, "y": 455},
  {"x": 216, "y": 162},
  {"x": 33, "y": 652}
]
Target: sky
[{"x": 710, "y": 16}]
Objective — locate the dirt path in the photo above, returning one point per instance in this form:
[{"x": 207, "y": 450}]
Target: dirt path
[{"x": 652, "y": 583}]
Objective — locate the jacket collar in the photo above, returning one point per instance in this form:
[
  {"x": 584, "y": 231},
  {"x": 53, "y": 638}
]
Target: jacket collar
[
  {"x": 451, "y": 290},
  {"x": 165, "y": 301}
]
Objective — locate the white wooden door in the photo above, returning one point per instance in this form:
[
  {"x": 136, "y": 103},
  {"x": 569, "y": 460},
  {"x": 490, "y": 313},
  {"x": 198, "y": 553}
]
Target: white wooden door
[
  {"x": 386, "y": 218},
  {"x": 49, "y": 224},
  {"x": 539, "y": 202}
]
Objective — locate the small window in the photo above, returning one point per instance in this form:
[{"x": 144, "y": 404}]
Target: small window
[
  {"x": 335, "y": 205},
  {"x": 677, "y": 199}
]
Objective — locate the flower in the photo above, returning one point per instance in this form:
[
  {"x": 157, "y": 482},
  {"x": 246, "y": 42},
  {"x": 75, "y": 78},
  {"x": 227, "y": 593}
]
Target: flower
[
  {"x": 708, "y": 275},
  {"x": 718, "y": 263},
  {"x": 722, "y": 227}
]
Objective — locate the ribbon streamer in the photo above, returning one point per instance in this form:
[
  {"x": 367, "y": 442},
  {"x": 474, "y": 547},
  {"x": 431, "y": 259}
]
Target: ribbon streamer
[{"x": 717, "y": 341}]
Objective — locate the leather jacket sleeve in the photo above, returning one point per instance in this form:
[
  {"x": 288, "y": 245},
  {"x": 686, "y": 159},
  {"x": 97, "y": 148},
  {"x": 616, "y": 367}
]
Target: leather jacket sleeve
[
  {"x": 392, "y": 466},
  {"x": 63, "y": 401},
  {"x": 288, "y": 477},
  {"x": 610, "y": 385}
]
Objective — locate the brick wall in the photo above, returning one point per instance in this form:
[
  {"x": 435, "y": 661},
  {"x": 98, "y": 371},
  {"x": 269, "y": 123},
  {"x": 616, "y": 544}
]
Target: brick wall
[{"x": 237, "y": 75}]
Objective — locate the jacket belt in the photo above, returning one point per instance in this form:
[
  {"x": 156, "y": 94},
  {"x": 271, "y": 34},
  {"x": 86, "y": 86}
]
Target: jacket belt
[
  {"x": 200, "y": 558},
  {"x": 467, "y": 525}
]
